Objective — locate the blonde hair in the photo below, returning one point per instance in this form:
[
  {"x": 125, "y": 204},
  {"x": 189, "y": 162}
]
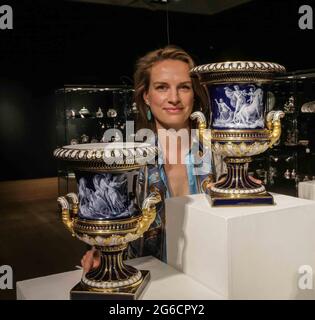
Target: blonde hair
[{"x": 142, "y": 82}]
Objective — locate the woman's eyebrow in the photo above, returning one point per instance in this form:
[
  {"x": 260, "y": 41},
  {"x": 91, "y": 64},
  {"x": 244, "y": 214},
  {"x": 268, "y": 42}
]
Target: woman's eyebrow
[
  {"x": 185, "y": 82},
  {"x": 165, "y": 83},
  {"x": 159, "y": 82}
]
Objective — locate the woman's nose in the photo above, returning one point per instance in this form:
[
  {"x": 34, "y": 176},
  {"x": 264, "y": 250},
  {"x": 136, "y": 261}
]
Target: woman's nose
[{"x": 173, "y": 96}]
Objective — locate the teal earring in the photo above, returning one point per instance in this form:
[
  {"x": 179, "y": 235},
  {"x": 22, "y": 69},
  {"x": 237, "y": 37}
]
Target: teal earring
[{"x": 149, "y": 114}]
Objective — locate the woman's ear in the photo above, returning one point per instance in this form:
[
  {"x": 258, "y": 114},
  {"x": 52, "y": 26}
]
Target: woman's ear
[{"x": 145, "y": 97}]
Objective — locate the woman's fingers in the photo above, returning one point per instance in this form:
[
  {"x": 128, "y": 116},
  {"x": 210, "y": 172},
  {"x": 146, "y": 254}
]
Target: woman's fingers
[
  {"x": 87, "y": 261},
  {"x": 96, "y": 259},
  {"x": 255, "y": 180},
  {"x": 221, "y": 180},
  {"x": 211, "y": 184}
]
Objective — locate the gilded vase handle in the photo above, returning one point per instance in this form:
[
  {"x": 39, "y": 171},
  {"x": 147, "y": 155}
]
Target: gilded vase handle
[
  {"x": 273, "y": 123},
  {"x": 204, "y": 134},
  {"x": 68, "y": 210},
  {"x": 148, "y": 212}
]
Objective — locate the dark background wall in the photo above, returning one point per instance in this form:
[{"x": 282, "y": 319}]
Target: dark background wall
[{"x": 57, "y": 42}]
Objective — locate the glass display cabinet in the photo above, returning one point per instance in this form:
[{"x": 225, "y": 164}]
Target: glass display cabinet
[
  {"x": 293, "y": 159},
  {"x": 84, "y": 113}
]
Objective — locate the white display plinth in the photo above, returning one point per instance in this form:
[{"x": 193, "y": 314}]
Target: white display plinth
[
  {"x": 166, "y": 283},
  {"x": 306, "y": 190},
  {"x": 243, "y": 252}
]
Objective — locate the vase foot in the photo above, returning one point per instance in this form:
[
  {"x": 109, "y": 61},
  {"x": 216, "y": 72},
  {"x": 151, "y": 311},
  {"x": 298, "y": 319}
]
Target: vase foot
[
  {"x": 219, "y": 199},
  {"x": 82, "y": 292}
]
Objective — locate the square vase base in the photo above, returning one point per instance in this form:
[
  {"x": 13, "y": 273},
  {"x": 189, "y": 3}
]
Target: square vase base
[
  {"x": 79, "y": 292},
  {"x": 217, "y": 199}
]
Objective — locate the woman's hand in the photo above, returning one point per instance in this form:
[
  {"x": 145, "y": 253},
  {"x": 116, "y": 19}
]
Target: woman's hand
[
  {"x": 91, "y": 260},
  {"x": 211, "y": 184},
  {"x": 255, "y": 180}
]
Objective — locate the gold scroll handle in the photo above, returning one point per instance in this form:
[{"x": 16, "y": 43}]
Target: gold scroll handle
[
  {"x": 148, "y": 212},
  {"x": 69, "y": 209},
  {"x": 273, "y": 124},
  {"x": 204, "y": 134}
]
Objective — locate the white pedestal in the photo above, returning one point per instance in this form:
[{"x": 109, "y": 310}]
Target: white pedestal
[
  {"x": 243, "y": 252},
  {"x": 306, "y": 190},
  {"x": 166, "y": 283}
]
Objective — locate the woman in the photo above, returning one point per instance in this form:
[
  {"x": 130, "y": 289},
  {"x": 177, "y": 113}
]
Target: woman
[{"x": 166, "y": 95}]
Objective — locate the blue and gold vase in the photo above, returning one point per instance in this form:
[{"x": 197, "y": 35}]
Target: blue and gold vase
[
  {"x": 109, "y": 211},
  {"x": 239, "y": 125}
]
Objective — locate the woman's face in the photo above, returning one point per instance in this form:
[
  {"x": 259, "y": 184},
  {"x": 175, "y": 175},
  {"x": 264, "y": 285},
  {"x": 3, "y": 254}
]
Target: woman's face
[{"x": 170, "y": 95}]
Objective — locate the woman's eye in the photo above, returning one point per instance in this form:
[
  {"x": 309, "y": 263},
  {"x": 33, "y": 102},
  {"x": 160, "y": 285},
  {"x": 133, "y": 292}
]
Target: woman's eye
[
  {"x": 162, "y": 88},
  {"x": 186, "y": 87}
]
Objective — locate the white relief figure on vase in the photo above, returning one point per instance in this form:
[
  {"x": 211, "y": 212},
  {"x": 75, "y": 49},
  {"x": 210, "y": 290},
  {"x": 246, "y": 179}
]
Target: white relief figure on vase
[
  {"x": 239, "y": 106},
  {"x": 239, "y": 98},
  {"x": 104, "y": 195},
  {"x": 251, "y": 94},
  {"x": 225, "y": 111},
  {"x": 250, "y": 113}
]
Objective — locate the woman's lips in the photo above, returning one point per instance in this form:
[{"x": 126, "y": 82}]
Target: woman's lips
[{"x": 173, "y": 110}]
